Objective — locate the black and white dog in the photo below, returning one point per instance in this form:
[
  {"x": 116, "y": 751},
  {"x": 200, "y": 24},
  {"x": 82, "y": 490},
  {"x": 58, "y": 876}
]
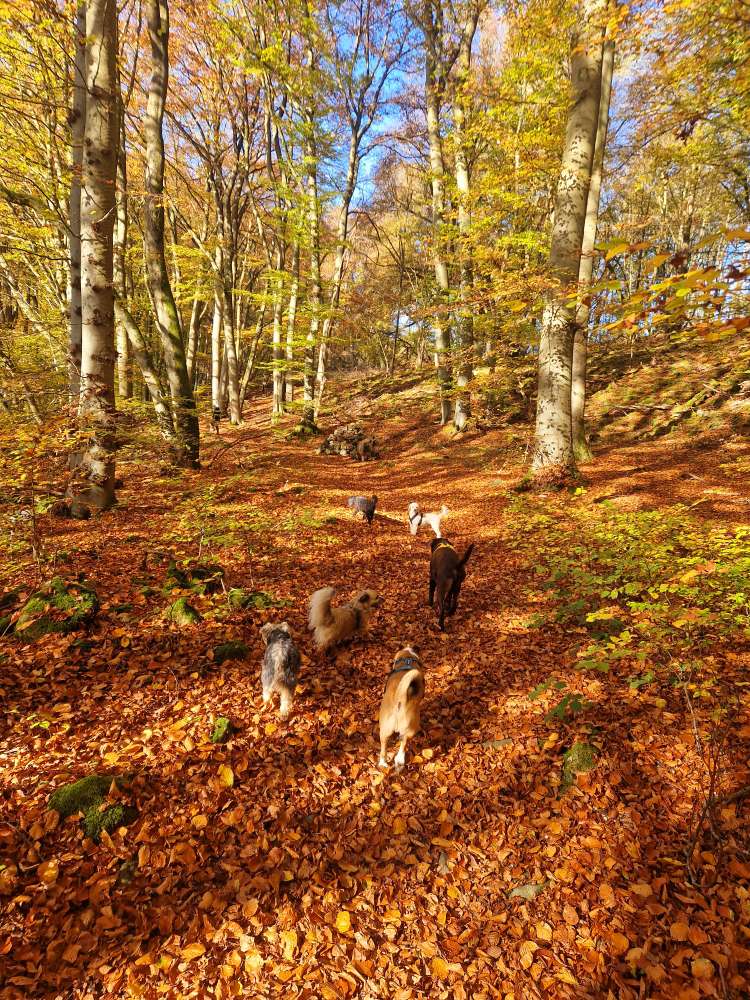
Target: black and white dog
[
  {"x": 280, "y": 667},
  {"x": 433, "y": 518}
]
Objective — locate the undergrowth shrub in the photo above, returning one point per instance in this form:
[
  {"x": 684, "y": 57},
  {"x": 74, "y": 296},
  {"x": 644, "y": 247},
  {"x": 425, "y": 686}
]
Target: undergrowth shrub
[{"x": 652, "y": 591}]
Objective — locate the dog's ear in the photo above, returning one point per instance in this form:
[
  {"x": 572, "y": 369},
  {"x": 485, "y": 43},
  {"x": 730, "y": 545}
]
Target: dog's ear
[
  {"x": 414, "y": 648},
  {"x": 284, "y": 627},
  {"x": 364, "y": 597},
  {"x": 434, "y": 543},
  {"x": 265, "y": 631}
]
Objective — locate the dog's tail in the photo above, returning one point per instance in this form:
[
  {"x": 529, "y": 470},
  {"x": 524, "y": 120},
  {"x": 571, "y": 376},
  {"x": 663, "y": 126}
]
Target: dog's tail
[
  {"x": 320, "y": 607},
  {"x": 467, "y": 555},
  {"x": 410, "y": 686}
]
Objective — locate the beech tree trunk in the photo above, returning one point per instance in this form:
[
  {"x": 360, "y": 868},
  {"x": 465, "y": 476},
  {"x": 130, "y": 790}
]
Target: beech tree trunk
[
  {"x": 152, "y": 381},
  {"x": 277, "y": 408},
  {"x": 250, "y": 361},
  {"x": 581, "y": 450},
  {"x": 77, "y": 126},
  {"x": 291, "y": 317},
  {"x": 124, "y": 377},
  {"x": 308, "y": 402},
  {"x": 216, "y": 328},
  {"x": 437, "y": 179},
  {"x": 464, "y": 320},
  {"x": 98, "y": 177},
  {"x": 230, "y": 354},
  {"x": 352, "y": 170},
  {"x": 184, "y": 414},
  {"x": 553, "y": 446}
]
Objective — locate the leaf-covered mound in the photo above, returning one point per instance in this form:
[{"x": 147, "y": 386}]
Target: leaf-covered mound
[
  {"x": 58, "y": 606},
  {"x": 89, "y": 796}
]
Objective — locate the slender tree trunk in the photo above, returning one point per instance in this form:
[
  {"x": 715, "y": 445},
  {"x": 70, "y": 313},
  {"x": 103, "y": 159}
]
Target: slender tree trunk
[
  {"x": 581, "y": 450},
  {"x": 441, "y": 320},
  {"x": 98, "y": 177},
  {"x": 124, "y": 376},
  {"x": 216, "y": 328},
  {"x": 230, "y": 355},
  {"x": 352, "y": 170},
  {"x": 277, "y": 408},
  {"x": 308, "y": 403},
  {"x": 151, "y": 379},
  {"x": 291, "y": 317},
  {"x": 185, "y": 416},
  {"x": 401, "y": 262},
  {"x": 28, "y": 395},
  {"x": 250, "y": 362},
  {"x": 194, "y": 326},
  {"x": 553, "y": 452},
  {"x": 77, "y": 125},
  {"x": 464, "y": 320},
  {"x": 231, "y": 375}
]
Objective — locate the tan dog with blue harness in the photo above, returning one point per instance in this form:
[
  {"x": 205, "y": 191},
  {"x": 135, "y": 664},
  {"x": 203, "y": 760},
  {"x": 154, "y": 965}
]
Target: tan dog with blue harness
[{"x": 401, "y": 705}]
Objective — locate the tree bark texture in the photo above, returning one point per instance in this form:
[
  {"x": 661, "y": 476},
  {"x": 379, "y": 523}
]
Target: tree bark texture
[
  {"x": 581, "y": 450},
  {"x": 184, "y": 414},
  {"x": 553, "y": 446},
  {"x": 77, "y": 126},
  {"x": 98, "y": 177}
]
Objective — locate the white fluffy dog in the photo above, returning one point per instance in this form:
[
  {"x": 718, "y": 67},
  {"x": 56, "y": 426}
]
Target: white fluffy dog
[{"x": 433, "y": 518}]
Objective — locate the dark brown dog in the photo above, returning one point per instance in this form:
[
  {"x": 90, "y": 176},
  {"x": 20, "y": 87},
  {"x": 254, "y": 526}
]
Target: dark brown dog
[{"x": 447, "y": 573}]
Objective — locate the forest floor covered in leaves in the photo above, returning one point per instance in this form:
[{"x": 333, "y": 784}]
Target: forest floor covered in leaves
[{"x": 284, "y": 863}]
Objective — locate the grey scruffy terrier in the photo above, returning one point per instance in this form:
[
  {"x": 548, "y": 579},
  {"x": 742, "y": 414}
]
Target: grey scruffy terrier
[{"x": 280, "y": 667}]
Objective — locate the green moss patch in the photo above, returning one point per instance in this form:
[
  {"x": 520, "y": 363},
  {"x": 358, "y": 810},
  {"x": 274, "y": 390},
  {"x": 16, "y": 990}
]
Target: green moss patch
[
  {"x": 182, "y": 612},
  {"x": 235, "y": 650},
  {"x": 88, "y": 796},
  {"x": 58, "y": 606},
  {"x": 222, "y": 730},
  {"x": 257, "y": 599},
  {"x": 581, "y": 757},
  {"x": 200, "y": 578}
]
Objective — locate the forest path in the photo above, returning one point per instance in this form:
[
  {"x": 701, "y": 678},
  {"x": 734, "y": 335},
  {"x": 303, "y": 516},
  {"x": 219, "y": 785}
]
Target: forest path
[{"x": 316, "y": 874}]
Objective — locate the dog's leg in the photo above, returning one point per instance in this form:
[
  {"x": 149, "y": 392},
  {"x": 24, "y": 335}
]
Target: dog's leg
[
  {"x": 400, "y": 759},
  {"x": 286, "y": 701},
  {"x": 383, "y": 762},
  {"x": 431, "y": 598}
]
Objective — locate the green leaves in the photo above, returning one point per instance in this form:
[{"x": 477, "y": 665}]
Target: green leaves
[{"x": 646, "y": 588}]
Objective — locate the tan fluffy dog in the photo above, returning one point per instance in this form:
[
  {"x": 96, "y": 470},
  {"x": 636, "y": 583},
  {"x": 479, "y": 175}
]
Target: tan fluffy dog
[
  {"x": 401, "y": 704},
  {"x": 334, "y": 625}
]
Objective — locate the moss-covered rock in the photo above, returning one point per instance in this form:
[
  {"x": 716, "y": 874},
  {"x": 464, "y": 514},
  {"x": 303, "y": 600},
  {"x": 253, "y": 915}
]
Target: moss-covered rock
[
  {"x": 581, "y": 757},
  {"x": 182, "y": 612},
  {"x": 200, "y": 578},
  {"x": 222, "y": 730},
  {"x": 89, "y": 796},
  {"x": 257, "y": 599},
  {"x": 58, "y": 606},
  {"x": 235, "y": 650}
]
